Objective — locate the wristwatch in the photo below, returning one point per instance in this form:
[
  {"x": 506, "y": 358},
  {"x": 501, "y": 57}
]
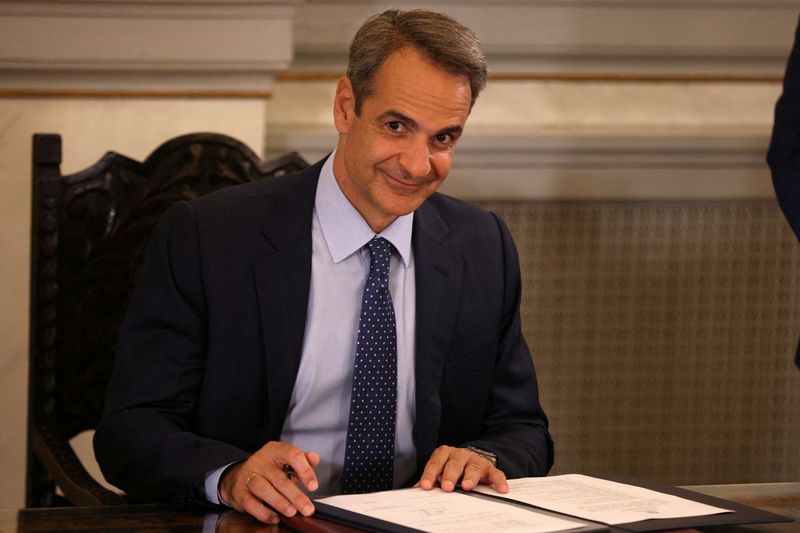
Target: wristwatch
[{"x": 486, "y": 454}]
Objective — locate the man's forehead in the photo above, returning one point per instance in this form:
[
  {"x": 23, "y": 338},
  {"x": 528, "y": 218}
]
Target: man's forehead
[
  {"x": 410, "y": 83},
  {"x": 412, "y": 58}
]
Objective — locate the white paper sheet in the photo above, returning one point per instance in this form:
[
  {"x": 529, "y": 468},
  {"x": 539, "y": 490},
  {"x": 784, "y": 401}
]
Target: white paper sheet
[
  {"x": 600, "y": 500},
  {"x": 437, "y": 511}
]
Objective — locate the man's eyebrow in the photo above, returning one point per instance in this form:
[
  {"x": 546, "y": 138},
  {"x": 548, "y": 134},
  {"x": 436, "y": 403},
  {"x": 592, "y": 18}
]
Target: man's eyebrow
[
  {"x": 455, "y": 131},
  {"x": 396, "y": 115}
]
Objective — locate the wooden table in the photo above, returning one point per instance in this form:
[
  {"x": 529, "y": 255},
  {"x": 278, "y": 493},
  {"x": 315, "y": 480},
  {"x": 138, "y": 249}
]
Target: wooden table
[{"x": 780, "y": 498}]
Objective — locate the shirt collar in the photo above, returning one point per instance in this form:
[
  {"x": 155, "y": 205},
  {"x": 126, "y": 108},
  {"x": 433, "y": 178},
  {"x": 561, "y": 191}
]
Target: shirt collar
[{"x": 344, "y": 229}]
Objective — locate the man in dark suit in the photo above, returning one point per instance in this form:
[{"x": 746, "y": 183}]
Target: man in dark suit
[
  {"x": 241, "y": 361},
  {"x": 784, "y": 150}
]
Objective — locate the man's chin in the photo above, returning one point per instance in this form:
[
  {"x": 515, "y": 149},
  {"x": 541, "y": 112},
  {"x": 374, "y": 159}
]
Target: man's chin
[
  {"x": 406, "y": 206},
  {"x": 408, "y": 199}
]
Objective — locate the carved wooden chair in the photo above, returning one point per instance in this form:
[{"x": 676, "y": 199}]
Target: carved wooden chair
[{"x": 89, "y": 233}]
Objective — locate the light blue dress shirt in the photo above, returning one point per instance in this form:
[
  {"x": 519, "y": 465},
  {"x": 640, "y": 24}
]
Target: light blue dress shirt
[{"x": 320, "y": 403}]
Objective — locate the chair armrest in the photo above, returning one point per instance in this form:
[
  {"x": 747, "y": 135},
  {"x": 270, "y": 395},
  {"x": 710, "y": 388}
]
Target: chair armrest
[{"x": 63, "y": 465}]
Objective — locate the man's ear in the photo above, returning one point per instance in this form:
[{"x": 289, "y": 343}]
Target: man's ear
[{"x": 344, "y": 105}]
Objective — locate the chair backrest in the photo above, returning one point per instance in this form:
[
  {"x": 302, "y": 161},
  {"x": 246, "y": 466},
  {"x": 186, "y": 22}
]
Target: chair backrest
[{"x": 89, "y": 233}]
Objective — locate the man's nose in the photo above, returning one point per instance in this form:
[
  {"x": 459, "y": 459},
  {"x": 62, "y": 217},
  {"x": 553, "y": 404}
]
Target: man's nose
[{"x": 416, "y": 158}]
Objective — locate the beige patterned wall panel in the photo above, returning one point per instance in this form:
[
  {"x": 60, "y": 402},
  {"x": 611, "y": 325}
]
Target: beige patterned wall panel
[{"x": 663, "y": 334}]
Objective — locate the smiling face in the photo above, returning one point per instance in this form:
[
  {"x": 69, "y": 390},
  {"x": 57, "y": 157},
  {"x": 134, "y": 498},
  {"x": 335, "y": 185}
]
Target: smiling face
[{"x": 394, "y": 154}]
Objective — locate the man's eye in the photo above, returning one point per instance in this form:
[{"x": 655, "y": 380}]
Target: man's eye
[
  {"x": 395, "y": 125},
  {"x": 444, "y": 138}
]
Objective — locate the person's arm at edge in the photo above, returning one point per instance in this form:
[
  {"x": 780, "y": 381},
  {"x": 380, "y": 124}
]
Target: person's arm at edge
[{"x": 784, "y": 150}]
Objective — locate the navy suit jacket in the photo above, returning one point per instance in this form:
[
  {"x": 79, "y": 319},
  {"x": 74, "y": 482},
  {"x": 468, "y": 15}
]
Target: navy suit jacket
[
  {"x": 784, "y": 149},
  {"x": 211, "y": 344}
]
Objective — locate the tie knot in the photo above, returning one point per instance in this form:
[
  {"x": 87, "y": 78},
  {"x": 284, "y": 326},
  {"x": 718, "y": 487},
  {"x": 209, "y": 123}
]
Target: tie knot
[{"x": 380, "y": 251}]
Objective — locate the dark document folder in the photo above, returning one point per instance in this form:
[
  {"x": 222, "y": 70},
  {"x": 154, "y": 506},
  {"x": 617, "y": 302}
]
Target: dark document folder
[{"x": 739, "y": 514}]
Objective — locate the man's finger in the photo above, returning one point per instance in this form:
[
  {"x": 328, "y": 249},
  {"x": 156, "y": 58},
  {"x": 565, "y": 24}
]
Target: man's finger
[
  {"x": 255, "y": 507},
  {"x": 476, "y": 470},
  {"x": 454, "y": 468},
  {"x": 300, "y": 467},
  {"x": 280, "y": 481},
  {"x": 265, "y": 491},
  {"x": 497, "y": 479},
  {"x": 312, "y": 458},
  {"x": 434, "y": 467}
]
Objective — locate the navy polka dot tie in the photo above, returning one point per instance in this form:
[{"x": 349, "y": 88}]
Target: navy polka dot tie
[{"x": 369, "y": 454}]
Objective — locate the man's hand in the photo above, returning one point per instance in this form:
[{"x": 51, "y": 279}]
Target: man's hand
[
  {"x": 447, "y": 465},
  {"x": 267, "y": 478}
]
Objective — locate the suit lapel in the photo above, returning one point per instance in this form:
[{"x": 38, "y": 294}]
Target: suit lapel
[
  {"x": 439, "y": 271},
  {"x": 283, "y": 279}
]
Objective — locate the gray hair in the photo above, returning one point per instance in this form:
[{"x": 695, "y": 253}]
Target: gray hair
[{"x": 445, "y": 41}]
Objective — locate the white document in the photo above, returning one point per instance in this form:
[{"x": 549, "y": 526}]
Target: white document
[
  {"x": 600, "y": 500},
  {"x": 437, "y": 511}
]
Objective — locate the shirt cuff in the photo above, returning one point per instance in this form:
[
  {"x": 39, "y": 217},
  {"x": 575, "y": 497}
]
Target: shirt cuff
[{"x": 212, "y": 485}]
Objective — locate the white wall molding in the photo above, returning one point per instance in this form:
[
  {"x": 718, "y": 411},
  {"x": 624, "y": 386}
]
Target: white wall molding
[
  {"x": 229, "y": 47},
  {"x": 145, "y": 46},
  {"x": 704, "y": 38},
  {"x": 612, "y": 166},
  {"x": 579, "y": 166}
]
